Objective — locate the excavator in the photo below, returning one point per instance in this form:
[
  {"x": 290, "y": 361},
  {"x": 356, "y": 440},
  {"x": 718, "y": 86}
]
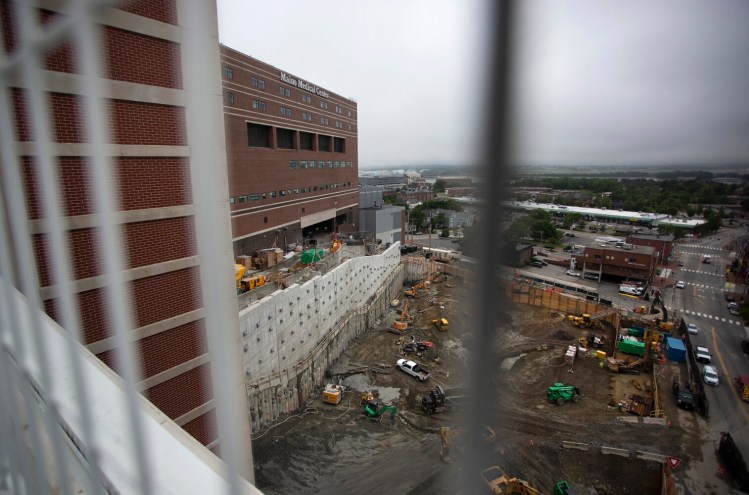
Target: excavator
[
  {"x": 401, "y": 324},
  {"x": 446, "y": 432},
  {"x": 663, "y": 323},
  {"x": 499, "y": 483},
  {"x": 373, "y": 411},
  {"x": 414, "y": 291}
]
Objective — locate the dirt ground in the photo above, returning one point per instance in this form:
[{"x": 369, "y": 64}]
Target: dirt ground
[{"x": 334, "y": 449}]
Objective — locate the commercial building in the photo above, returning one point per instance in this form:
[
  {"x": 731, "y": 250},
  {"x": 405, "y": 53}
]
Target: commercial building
[
  {"x": 663, "y": 244},
  {"x": 150, "y": 106},
  {"x": 605, "y": 260},
  {"x": 292, "y": 155},
  {"x": 378, "y": 220}
]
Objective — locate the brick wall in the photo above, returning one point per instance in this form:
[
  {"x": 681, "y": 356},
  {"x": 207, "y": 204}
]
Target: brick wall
[
  {"x": 203, "y": 428},
  {"x": 143, "y": 182},
  {"x": 182, "y": 393}
]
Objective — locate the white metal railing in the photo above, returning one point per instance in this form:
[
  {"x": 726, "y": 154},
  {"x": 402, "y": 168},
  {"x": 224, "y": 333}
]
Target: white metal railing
[{"x": 67, "y": 423}]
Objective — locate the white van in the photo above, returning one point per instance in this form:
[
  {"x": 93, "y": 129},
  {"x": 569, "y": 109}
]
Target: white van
[{"x": 707, "y": 258}]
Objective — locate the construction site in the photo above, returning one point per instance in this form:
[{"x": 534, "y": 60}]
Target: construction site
[{"x": 377, "y": 353}]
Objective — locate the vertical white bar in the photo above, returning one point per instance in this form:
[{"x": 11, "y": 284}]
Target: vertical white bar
[
  {"x": 205, "y": 131},
  {"x": 86, "y": 46}
]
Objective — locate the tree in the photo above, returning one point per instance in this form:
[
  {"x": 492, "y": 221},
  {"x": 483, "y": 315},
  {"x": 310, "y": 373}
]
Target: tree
[
  {"x": 417, "y": 217},
  {"x": 445, "y": 233},
  {"x": 571, "y": 218},
  {"x": 439, "y": 221},
  {"x": 439, "y": 186}
]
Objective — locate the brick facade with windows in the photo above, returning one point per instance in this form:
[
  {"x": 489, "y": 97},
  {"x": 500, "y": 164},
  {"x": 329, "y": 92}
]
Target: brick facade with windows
[
  {"x": 151, "y": 173},
  {"x": 276, "y": 141},
  {"x": 628, "y": 263}
]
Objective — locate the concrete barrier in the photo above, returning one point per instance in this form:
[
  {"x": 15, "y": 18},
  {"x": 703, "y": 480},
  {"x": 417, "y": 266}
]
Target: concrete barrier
[
  {"x": 615, "y": 451},
  {"x": 649, "y": 456},
  {"x": 575, "y": 445},
  {"x": 627, "y": 419},
  {"x": 655, "y": 421}
]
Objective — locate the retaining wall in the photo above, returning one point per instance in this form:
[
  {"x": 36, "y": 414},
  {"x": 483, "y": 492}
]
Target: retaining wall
[{"x": 292, "y": 336}]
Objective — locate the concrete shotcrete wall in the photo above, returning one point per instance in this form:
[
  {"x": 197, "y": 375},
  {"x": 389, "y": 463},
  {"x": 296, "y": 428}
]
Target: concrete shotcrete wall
[{"x": 292, "y": 336}]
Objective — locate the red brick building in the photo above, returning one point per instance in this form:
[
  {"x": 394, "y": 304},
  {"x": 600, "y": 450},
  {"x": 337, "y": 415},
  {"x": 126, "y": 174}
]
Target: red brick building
[
  {"x": 663, "y": 244},
  {"x": 146, "y": 107},
  {"x": 292, "y": 152},
  {"x": 629, "y": 262}
]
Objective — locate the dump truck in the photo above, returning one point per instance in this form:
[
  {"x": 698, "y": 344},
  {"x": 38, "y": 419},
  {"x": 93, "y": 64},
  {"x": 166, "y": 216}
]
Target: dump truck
[
  {"x": 560, "y": 393},
  {"x": 440, "y": 400}
]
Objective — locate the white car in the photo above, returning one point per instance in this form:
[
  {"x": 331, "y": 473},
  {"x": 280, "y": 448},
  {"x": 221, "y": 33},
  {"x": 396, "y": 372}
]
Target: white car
[
  {"x": 680, "y": 284},
  {"x": 692, "y": 328},
  {"x": 710, "y": 375},
  {"x": 702, "y": 354},
  {"x": 572, "y": 273}
]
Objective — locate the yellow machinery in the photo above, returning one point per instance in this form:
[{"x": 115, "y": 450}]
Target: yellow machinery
[
  {"x": 333, "y": 394},
  {"x": 580, "y": 321},
  {"x": 252, "y": 283},
  {"x": 499, "y": 483},
  {"x": 441, "y": 324},
  {"x": 446, "y": 432},
  {"x": 414, "y": 291},
  {"x": 401, "y": 324}
]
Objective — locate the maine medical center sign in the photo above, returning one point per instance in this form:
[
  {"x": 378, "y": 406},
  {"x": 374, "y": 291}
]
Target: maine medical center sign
[{"x": 299, "y": 83}]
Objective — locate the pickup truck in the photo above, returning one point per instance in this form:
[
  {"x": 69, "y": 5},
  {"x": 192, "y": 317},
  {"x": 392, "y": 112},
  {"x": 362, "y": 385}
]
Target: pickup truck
[{"x": 412, "y": 369}]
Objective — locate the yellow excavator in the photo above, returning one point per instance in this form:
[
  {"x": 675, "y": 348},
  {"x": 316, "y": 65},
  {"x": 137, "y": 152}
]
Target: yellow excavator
[
  {"x": 499, "y": 483},
  {"x": 401, "y": 324},
  {"x": 446, "y": 432},
  {"x": 414, "y": 291},
  {"x": 441, "y": 324}
]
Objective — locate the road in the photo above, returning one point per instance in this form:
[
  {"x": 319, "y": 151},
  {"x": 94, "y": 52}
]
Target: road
[{"x": 703, "y": 303}]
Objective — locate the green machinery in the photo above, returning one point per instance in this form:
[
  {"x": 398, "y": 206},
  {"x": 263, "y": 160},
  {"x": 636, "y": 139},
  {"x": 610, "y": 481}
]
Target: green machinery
[
  {"x": 375, "y": 413},
  {"x": 561, "y": 393},
  {"x": 563, "y": 488}
]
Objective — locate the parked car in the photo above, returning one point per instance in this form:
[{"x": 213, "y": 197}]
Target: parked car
[
  {"x": 702, "y": 354},
  {"x": 684, "y": 398},
  {"x": 592, "y": 276},
  {"x": 730, "y": 297},
  {"x": 710, "y": 375},
  {"x": 680, "y": 263},
  {"x": 692, "y": 328},
  {"x": 733, "y": 305},
  {"x": 734, "y": 311},
  {"x": 680, "y": 284},
  {"x": 572, "y": 273}
]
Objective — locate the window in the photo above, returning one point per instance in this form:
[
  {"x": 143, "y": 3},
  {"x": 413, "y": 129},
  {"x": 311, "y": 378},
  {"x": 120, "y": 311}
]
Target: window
[
  {"x": 258, "y": 135},
  {"x": 243, "y": 199},
  {"x": 304, "y": 163},
  {"x": 306, "y": 141},
  {"x": 261, "y": 83},
  {"x": 282, "y": 192},
  {"x": 312, "y": 164},
  {"x": 263, "y": 196},
  {"x": 306, "y": 99},
  {"x": 265, "y": 219},
  {"x": 253, "y": 81},
  {"x": 349, "y": 127},
  {"x": 229, "y": 97},
  {"x": 330, "y": 164},
  {"x": 304, "y": 190},
  {"x": 254, "y": 197},
  {"x": 286, "y": 111},
  {"x": 349, "y": 113},
  {"x": 232, "y": 200},
  {"x": 335, "y": 164},
  {"x": 350, "y": 165},
  {"x": 338, "y": 146},
  {"x": 285, "y": 91},
  {"x": 288, "y": 192},
  {"x": 324, "y": 104},
  {"x": 338, "y": 125},
  {"x": 314, "y": 188},
  {"x": 307, "y": 116},
  {"x": 272, "y": 194},
  {"x": 323, "y": 121},
  {"x": 284, "y": 138},
  {"x": 258, "y": 105},
  {"x": 323, "y": 143},
  {"x": 296, "y": 190},
  {"x": 228, "y": 73},
  {"x": 337, "y": 109},
  {"x": 292, "y": 164}
]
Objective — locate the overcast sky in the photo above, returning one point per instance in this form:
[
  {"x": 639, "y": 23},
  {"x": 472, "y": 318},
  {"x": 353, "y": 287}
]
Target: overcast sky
[{"x": 599, "y": 82}]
